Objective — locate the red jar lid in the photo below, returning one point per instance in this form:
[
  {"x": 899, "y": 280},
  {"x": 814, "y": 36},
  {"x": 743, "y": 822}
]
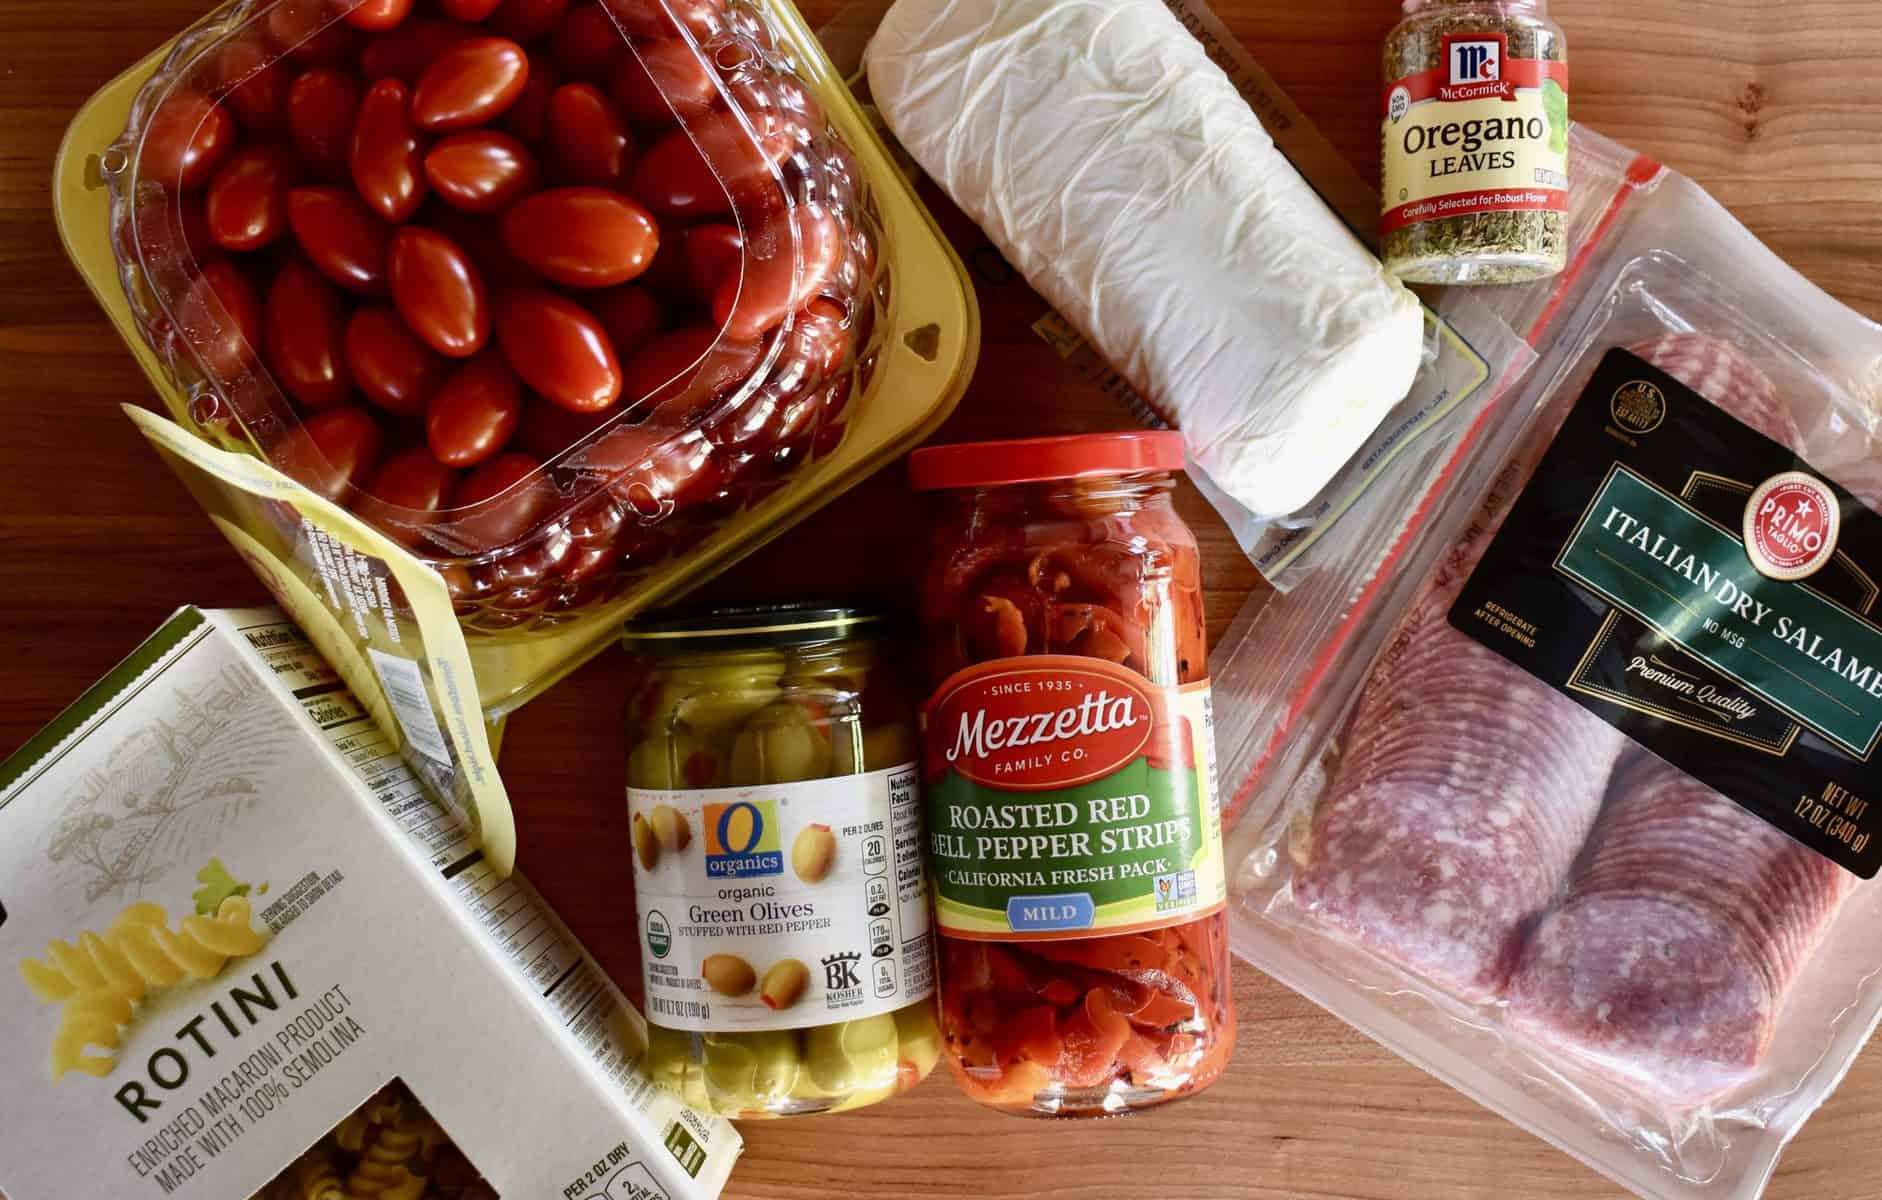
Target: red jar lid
[{"x": 1032, "y": 460}]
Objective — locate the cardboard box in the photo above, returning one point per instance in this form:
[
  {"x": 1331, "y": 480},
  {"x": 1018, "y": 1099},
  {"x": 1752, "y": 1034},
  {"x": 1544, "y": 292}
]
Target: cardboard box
[{"x": 246, "y": 953}]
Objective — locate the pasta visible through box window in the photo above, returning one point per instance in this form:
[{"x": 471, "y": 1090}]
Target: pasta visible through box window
[
  {"x": 103, "y": 976},
  {"x": 389, "y": 1148}
]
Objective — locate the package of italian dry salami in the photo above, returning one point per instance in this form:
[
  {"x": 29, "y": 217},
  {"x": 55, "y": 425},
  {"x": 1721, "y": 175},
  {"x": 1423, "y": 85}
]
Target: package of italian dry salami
[{"x": 1563, "y": 784}]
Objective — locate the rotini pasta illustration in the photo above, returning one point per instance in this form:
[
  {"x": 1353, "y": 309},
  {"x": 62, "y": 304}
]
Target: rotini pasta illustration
[
  {"x": 102, "y": 977},
  {"x": 389, "y": 1148}
]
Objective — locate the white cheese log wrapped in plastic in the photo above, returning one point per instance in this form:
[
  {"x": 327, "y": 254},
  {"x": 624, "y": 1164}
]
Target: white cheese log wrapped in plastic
[{"x": 1119, "y": 170}]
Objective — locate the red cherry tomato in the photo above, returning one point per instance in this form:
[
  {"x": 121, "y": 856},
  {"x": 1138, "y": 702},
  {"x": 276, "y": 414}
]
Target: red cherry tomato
[
  {"x": 559, "y": 349},
  {"x": 438, "y": 291},
  {"x": 406, "y": 493},
  {"x": 501, "y": 500},
  {"x": 247, "y": 202},
  {"x": 395, "y": 370},
  {"x": 479, "y": 239},
  {"x": 678, "y": 178},
  {"x": 528, "y": 118},
  {"x": 405, "y": 52},
  {"x": 546, "y": 430},
  {"x": 386, "y": 157},
  {"x": 186, "y": 141},
  {"x": 481, "y": 171},
  {"x": 781, "y": 272},
  {"x": 253, "y": 84},
  {"x": 585, "y": 43},
  {"x": 630, "y": 315},
  {"x": 591, "y": 140},
  {"x": 582, "y": 236},
  {"x": 322, "y": 105},
  {"x": 341, "y": 236},
  {"x": 304, "y": 337},
  {"x": 220, "y": 316},
  {"x": 689, "y": 366},
  {"x": 331, "y": 452},
  {"x": 660, "y": 79},
  {"x": 821, "y": 338},
  {"x": 473, "y": 82},
  {"x": 469, "y": 10},
  {"x": 310, "y": 31},
  {"x": 527, "y": 20},
  {"x": 712, "y": 252},
  {"x": 646, "y": 18},
  {"x": 377, "y": 16},
  {"x": 474, "y": 413}
]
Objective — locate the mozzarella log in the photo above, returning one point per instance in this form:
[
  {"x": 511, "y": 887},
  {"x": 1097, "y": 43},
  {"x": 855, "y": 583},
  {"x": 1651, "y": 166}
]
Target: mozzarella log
[{"x": 1120, "y": 171}]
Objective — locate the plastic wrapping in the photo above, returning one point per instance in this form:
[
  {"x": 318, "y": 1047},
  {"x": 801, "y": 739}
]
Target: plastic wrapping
[
  {"x": 1494, "y": 987},
  {"x": 1123, "y": 174},
  {"x": 448, "y": 594}
]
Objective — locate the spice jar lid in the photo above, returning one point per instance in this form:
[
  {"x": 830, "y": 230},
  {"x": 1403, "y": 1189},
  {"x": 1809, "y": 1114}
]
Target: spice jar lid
[
  {"x": 748, "y": 627},
  {"x": 1033, "y": 460}
]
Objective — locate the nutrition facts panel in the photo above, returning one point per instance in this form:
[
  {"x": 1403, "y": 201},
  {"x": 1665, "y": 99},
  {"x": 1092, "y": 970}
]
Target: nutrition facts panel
[{"x": 568, "y": 983}]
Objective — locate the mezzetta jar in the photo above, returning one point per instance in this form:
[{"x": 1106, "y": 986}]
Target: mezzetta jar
[
  {"x": 775, "y": 819},
  {"x": 1073, "y": 830}
]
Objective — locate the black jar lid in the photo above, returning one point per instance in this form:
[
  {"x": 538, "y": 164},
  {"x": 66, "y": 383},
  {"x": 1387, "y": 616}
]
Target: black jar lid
[{"x": 749, "y": 627}]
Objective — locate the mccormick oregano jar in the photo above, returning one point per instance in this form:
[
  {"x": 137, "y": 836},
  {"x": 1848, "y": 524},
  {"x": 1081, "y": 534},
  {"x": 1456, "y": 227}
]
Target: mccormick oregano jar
[
  {"x": 1476, "y": 143},
  {"x": 775, "y": 816},
  {"x": 1073, "y": 832}
]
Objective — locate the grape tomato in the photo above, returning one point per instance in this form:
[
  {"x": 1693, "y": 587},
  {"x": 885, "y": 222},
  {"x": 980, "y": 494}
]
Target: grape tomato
[
  {"x": 385, "y": 156},
  {"x": 322, "y": 105},
  {"x": 438, "y": 291},
  {"x": 187, "y": 140},
  {"x": 501, "y": 500},
  {"x": 311, "y": 32},
  {"x": 469, "y": 10},
  {"x": 405, "y": 52},
  {"x": 406, "y": 494},
  {"x": 592, "y": 143},
  {"x": 527, "y": 20},
  {"x": 629, "y": 314},
  {"x": 469, "y": 84},
  {"x": 304, "y": 336},
  {"x": 659, "y": 81},
  {"x": 582, "y": 237},
  {"x": 688, "y": 171},
  {"x": 341, "y": 236},
  {"x": 787, "y": 261},
  {"x": 388, "y": 362},
  {"x": 646, "y": 18},
  {"x": 585, "y": 43},
  {"x": 690, "y": 366},
  {"x": 559, "y": 349},
  {"x": 331, "y": 452},
  {"x": 712, "y": 252},
  {"x": 221, "y": 318},
  {"x": 474, "y": 413},
  {"x": 253, "y": 85},
  {"x": 376, "y": 16},
  {"x": 481, "y": 171},
  {"x": 247, "y": 203}
]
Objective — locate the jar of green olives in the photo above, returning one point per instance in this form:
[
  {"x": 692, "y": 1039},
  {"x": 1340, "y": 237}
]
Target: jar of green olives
[{"x": 775, "y": 822}]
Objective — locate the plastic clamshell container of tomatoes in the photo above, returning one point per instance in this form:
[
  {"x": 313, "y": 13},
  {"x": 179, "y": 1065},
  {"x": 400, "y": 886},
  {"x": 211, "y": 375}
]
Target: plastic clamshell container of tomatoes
[{"x": 580, "y": 302}]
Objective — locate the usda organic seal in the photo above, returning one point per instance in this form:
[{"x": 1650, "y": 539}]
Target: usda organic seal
[{"x": 1792, "y": 523}]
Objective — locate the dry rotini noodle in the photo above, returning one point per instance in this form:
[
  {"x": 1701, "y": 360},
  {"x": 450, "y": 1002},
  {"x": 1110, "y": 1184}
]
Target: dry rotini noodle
[
  {"x": 389, "y": 1148},
  {"x": 104, "y": 976}
]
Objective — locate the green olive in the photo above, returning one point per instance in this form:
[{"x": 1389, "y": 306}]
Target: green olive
[
  {"x": 670, "y": 1060},
  {"x": 751, "y": 1072},
  {"x": 847, "y": 749},
  {"x": 890, "y": 745},
  {"x": 920, "y": 1035},
  {"x": 780, "y": 744},
  {"x": 853, "y": 1056},
  {"x": 671, "y": 759}
]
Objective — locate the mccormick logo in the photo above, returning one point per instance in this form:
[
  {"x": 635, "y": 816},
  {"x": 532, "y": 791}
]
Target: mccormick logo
[
  {"x": 1475, "y": 68},
  {"x": 1050, "y": 723},
  {"x": 1792, "y": 523},
  {"x": 742, "y": 839}
]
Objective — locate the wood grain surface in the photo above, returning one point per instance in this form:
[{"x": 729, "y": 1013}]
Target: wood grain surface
[{"x": 1776, "y": 107}]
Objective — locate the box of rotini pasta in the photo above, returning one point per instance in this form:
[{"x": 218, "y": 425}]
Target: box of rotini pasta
[{"x": 244, "y": 953}]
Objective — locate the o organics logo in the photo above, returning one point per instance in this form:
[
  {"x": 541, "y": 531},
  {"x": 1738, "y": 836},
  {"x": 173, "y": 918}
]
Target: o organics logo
[
  {"x": 1050, "y": 723},
  {"x": 742, "y": 839},
  {"x": 1792, "y": 524}
]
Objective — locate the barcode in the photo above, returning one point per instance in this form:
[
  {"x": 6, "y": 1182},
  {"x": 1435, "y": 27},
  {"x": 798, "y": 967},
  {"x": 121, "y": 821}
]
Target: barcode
[
  {"x": 697, "y": 1010},
  {"x": 405, "y": 688}
]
